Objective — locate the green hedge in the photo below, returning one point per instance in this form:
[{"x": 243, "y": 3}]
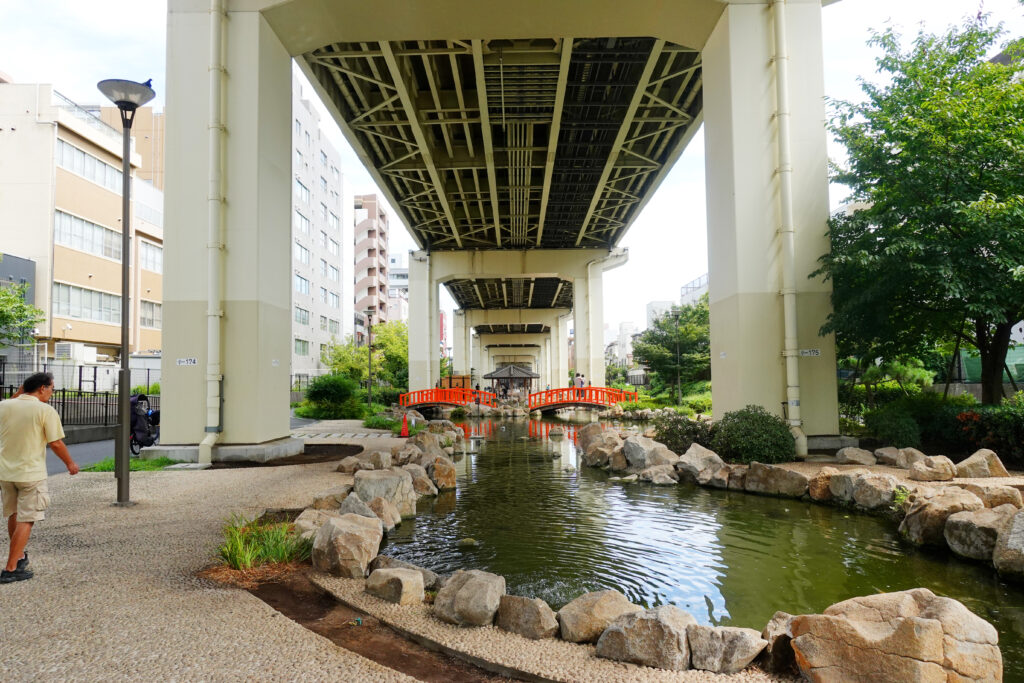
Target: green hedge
[
  {"x": 678, "y": 432},
  {"x": 753, "y": 434}
]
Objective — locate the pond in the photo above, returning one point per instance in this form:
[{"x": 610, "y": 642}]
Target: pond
[{"x": 555, "y": 530}]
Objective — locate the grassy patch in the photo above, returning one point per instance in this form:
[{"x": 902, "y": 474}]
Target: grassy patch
[
  {"x": 378, "y": 422},
  {"x": 414, "y": 429},
  {"x": 134, "y": 465},
  {"x": 248, "y": 544}
]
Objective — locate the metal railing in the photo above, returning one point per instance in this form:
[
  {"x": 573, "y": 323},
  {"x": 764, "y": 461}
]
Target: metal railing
[
  {"x": 83, "y": 407},
  {"x": 604, "y": 396}
]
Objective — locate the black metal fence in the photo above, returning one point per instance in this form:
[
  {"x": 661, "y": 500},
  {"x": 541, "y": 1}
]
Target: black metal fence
[{"x": 83, "y": 407}]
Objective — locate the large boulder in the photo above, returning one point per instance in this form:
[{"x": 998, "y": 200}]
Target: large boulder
[
  {"x": 1008, "y": 556},
  {"x": 842, "y": 484},
  {"x": 470, "y": 598},
  {"x": 311, "y": 519},
  {"x": 973, "y": 534},
  {"x": 854, "y": 456},
  {"x": 875, "y": 491},
  {"x": 584, "y": 619},
  {"x": 642, "y": 453},
  {"x": 738, "y": 477},
  {"x": 654, "y": 637},
  {"x": 983, "y": 463},
  {"x": 719, "y": 479},
  {"x": 723, "y": 649},
  {"x": 587, "y": 434},
  {"x": 352, "y": 464},
  {"x": 381, "y": 460},
  {"x": 431, "y": 581},
  {"x": 994, "y": 495},
  {"x": 660, "y": 474},
  {"x": 775, "y": 481},
  {"x": 441, "y": 471},
  {"x": 617, "y": 461},
  {"x": 777, "y": 656},
  {"x": 404, "y": 454},
  {"x": 386, "y": 511},
  {"x": 933, "y": 468},
  {"x": 908, "y": 456},
  {"x": 388, "y": 484},
  {"x": 345, "y": 545},
  {"x": 887, "y": 456},
  {"x": 529, "y": 617},
  {"x": 600, "y": 448},
  {"x": 428, "y": 443},
  {"x": 355, "y": 505},
  {"x": 400, "y": 586},
  {"x": 925, "y": 521},
  {"x": 332, "y": 498},
  {"x": 906, "y": 636},
  {"x": 699, "y": 464},
  {"x": 819, "y": 484}
]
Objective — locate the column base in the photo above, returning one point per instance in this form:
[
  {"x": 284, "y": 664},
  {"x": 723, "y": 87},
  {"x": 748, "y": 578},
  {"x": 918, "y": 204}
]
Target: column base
[{"x": 258, "y": 452}]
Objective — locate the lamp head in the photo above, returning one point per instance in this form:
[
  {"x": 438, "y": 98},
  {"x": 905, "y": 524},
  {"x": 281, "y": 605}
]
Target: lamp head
[{"x": 127, "y": 95}]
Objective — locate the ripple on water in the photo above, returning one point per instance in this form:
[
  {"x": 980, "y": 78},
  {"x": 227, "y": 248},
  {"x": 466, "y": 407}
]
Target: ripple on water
[{"x": 725, "y": 557}]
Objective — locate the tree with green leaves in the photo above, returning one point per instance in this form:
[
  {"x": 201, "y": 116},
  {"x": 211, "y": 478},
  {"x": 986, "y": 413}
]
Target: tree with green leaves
[
  {"x": 17, "y": 316},
  {"x": 390, "y": 356},
  {"x": 931, "y": 249},
  {"x": 678, "y": 346}
]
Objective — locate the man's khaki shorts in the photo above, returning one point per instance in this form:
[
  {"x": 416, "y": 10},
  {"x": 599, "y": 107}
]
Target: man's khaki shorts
[{"x": 29, "y": 499}]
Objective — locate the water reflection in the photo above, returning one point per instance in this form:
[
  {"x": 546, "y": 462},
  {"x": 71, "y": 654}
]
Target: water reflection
[{"x": 554, "y": 531}]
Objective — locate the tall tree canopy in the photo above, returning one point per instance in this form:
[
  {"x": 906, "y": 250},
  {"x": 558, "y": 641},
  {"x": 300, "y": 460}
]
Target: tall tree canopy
[
  {"x": 678, "y": 346},
  {"x": 390, "y": 356},
  {"x": 17, "y": 317},
  {"x": 936, "y": 169}
]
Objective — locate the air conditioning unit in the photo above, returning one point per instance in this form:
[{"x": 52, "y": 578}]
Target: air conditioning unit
[{"x": 76, "y": 352}]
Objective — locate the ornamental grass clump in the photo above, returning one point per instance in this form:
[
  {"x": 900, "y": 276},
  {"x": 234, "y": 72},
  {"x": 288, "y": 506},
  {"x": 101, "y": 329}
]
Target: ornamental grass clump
[
  {"x": 251, "y": 543},
  {"x": 753, "y": 434}
]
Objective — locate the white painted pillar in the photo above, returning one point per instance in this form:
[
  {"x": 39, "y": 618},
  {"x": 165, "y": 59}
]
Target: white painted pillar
[
  {"x": 546, "y": 377},
  {"x": 479, "y": 364},
  {"x": 560, "y": 351},
  {"x": 747, "y": 331},
  {"x": 460, "y": 343},
  {"x": 424, "y": 328},
  {"x": 256, "y": 339}
]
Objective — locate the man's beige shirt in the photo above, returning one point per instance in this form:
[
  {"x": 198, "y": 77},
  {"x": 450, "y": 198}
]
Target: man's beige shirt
[{"x": 26, "y": 426}]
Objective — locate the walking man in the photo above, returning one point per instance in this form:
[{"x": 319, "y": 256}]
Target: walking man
[{"x": 27, "y": 426}]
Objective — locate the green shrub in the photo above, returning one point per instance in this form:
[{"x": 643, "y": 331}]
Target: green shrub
[
  {"x": 247, "y": 544},
  {"x": 698, "y": 403},
  {"x": 458, "y": 414},
  {"x": 678, "y": 432},
  {"x": 414, "y": 429},
  {"x": 332, "y": 397},
  {"x": 639, "y": 405},
  {"x": 854, "y": 399},
  {"x": 380, "y": 422},
  {"x": 1000, "y": 428},
  {"x": 152, "y": 390},
  {"x": 387, "y": 395},
  {"x": 753, "y": 434},
  {"x": 891, "y": 424}
]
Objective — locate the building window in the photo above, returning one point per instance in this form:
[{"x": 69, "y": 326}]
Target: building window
[
  {"x": 334, "y": 326},
  {"x": 151, "y": 257},
  {"x": 334, "y": 222},
  {"x": 323, "y": 351},
  {"x": 78, "y": 233},
  {"x": 333, "y": 247},
  {"x": 323, "y": 268},
  {"x": 301, "y": 285},
  {"x": 86, "y": 304},
  {"x": 323, "y": 238},
  {"x": 307, "y": 138},
  {"x": 323, "y": 211},
  {"x": 335, "y": 300},
  {"x": 150, "y": 314},
  {"x": 323, "y": 323},
  {"x": 302, "y": 191},
  {"x": 323, "y": 295},
  {"x": 323, "y": 184},
  {"x": 323, "y": 158},
  {"x": 334, "y": 172},
  {"x": 89, "y": 167},
  {"x": 301, "y": 347},
  {"x": 333, "y": 273},
  {"x": 301, "y": 254},
  {"x": 301, "y": 316},
  {"x": 298, "y": 128},
  {"x": 301, "y": 223},
  {"x": 298, "y": 159}
]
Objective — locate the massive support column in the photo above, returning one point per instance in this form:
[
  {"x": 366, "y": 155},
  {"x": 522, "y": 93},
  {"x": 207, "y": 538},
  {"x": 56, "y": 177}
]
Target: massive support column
[
  {"x": 424, "y": 324},
  {"x": 747, "y": 213},
  {"x": 461, "y": 342},
  {"x": 254, "y": 165},
  {"x": 588, "y": 315}
]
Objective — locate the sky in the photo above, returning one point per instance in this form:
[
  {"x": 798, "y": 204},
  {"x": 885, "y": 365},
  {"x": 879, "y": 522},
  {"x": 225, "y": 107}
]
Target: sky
[{"x": 74, "y": 44}]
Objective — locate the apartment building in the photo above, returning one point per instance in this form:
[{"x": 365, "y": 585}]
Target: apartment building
[
  {"x": 371, "y": 257},
  {"x": 322, "y": 242},
  {"x": 60, "y": 211},
  {"x": 398, "y": 287}
]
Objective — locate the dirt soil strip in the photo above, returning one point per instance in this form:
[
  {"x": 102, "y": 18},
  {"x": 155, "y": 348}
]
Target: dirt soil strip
[{"x": 297, "y": 598}]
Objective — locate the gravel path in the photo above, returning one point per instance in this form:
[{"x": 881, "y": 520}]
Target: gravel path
[
  {"x": 115, "y": 598},
  {"x": 549, "y": 659}
]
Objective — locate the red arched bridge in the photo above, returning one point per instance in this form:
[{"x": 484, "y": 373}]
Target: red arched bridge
[{"x": 544, "y": 401}]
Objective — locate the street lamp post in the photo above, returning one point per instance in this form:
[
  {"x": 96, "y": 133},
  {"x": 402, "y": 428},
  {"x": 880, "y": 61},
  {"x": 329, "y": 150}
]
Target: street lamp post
[
  {"x": 369, "y": 359},
  {"x": 128, "y": 96}
]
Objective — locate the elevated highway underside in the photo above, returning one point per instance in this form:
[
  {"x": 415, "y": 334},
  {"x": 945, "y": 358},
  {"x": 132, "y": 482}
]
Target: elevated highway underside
[{"x": 518, "y": 141}]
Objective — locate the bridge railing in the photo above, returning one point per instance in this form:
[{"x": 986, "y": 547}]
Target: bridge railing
[
  {"x": 606, "y": 396},
  {"x": 456, "y": 396}
]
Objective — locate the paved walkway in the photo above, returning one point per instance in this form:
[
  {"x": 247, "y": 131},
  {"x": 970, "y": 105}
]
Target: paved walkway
[{"x": 115, "y": 596}]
